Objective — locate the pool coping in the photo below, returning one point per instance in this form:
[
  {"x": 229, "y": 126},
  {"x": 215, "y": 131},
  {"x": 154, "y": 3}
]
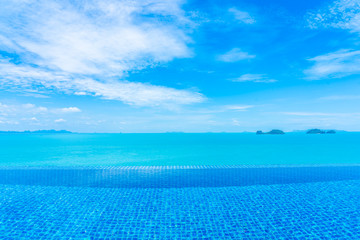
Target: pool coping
[{"x": 177, "y": 167}]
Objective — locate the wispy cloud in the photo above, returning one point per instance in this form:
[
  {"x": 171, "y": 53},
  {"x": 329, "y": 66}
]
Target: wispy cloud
[
  {"x": 98, "y": 36},
  {"x": 342, "y": 14},
  {"x": 60, "y": 120},
  {"x": 242, "y": 16},
  {"x": 334, "y": 65},
  {"x": 32, "y": 109},
  {"x": 32, "y": 119},
  {"x": 258, "y": 78},
  {"x": 220, "y": 109},
  {"x": 239, "y": 108},
  {"x": 35, "y": 95},
  {"x": 26, "y": 77},
  {"x": 309, "y": 114},
  {"x": 341, "y": 97},
  {"x": 69, "y": 110},
  {"x": 22, "y": 109},
  {"x": 234, "y": 55},
  {"x": 9, "y": 122},
  {"x": 89, "y": 47},
  {"x": 236, "y": 122}
]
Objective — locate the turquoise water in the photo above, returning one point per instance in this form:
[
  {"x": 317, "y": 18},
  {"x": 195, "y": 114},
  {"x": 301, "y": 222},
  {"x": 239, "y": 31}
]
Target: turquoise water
[
  {"x": 323, "y": 210},
  {"x": 105, "y": 190},
  {"x": 177, "y": 149}
]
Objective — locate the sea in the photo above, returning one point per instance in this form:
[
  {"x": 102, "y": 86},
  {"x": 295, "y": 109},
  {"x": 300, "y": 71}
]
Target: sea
[{"x": 177, "y": 149}]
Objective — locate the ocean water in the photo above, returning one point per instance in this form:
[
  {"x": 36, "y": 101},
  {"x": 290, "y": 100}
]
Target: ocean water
[
  {"x": 179, "y": 186},
  {"x": 177, "y": 149}
]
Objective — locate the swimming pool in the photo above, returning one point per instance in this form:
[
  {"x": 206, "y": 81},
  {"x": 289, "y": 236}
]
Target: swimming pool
[{"x": 207, "y": 202}]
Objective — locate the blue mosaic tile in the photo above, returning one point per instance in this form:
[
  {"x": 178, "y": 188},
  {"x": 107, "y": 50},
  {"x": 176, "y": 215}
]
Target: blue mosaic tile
[
  {"x": 174, "y": 177},
  {"x": 312, "y": 210}
]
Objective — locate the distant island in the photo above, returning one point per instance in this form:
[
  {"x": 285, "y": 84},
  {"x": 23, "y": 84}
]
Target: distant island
[
  {"x": 319, "y": 131},
  {"x": 38, "y": 131},
  {"x": 273, "y": 132}
]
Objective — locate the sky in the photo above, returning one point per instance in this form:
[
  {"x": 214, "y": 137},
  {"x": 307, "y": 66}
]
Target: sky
[{"x": 179, "y": 66}]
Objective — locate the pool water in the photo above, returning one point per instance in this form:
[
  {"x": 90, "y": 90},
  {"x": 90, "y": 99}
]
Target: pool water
[{"x": 163, "y": 203}]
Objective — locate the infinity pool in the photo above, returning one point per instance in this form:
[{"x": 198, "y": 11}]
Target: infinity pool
[{"x": 190, "y": 202}]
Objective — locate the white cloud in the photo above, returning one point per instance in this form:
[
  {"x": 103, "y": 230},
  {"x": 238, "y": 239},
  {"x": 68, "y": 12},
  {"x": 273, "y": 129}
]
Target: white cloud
[
  {"x": 235, "y": 122},
  {"x": 31, "y": 120},
  {"x": 60, "y": 120},
  {"x": 9, "y": 122},
  {"x": 309, "y": 114},
  {"x": 26, "y": 77},
  {"x": 334, "y": 65},
  {"x": 98, "y": 36},
  {"x": 4, "y": 109},
  {"x": 258, "y": 78},
  {"x": 35, "y": 95},
  {"x": 80, "y": 93},
  {"x": 86, "y": 47},
  {"x": 235, "y": 55},
  {"x": 28, "y": 110},
  {"x": 341, "y": 97},
  {"x": 238, "y": 107},
  {"x": 33, "y": 108},
  {"x": 242, "y": 16},
  {"x": 342, "y": 14},
  {"x": 69, "y": 110},
  {"x": 139, "y": 93}
]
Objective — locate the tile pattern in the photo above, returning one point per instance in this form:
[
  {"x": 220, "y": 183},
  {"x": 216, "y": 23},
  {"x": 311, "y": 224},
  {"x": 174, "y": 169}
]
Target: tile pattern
[
  {"x": 323, "y": 210},
  {"x": 176, "y": 177},
  {"x": 166, "y": 167}
]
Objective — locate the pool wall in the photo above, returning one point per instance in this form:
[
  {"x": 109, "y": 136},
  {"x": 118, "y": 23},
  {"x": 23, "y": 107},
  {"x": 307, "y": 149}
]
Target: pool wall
[{"x": 176, "y": 177}]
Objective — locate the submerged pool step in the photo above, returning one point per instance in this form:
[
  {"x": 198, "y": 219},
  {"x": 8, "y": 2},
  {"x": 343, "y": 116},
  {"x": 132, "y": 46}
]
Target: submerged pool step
[{"x": 175, "y": 177}]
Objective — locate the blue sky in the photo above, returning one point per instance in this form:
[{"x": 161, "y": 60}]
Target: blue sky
[{"x": 192, "y": 66}]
